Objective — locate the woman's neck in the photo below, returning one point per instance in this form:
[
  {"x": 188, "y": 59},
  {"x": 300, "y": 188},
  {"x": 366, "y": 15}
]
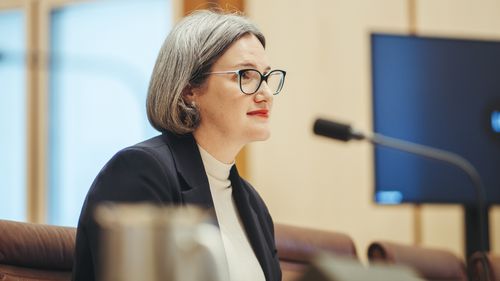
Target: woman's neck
[{"x": 220, "y": 147}]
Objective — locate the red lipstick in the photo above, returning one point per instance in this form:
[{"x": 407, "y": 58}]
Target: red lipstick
[{"x": 259, "y": 112}]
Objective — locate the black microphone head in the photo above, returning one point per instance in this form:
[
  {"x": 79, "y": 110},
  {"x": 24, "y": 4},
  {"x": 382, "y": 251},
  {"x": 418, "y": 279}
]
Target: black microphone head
[{"x": 332, "y": 129}]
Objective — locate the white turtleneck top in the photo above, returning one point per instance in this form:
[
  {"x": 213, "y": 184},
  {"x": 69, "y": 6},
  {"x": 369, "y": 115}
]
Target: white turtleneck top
[{"x": 242, "y": 262}]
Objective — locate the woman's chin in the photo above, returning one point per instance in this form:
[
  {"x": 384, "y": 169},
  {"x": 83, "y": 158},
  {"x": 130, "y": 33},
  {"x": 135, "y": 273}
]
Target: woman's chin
[{"x": 259, "y": 135}]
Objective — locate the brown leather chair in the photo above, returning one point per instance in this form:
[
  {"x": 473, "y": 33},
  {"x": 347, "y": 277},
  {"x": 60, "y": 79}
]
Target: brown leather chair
[
  {"x": 477, "y": 270},
  {"x": 31, "y": 252},
  {"x": 296, "y": 245},
  {"x": 431, "y": 264}
]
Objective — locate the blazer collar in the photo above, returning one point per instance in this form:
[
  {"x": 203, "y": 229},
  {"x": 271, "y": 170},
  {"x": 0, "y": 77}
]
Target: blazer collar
[{"x": 190, "y": 167}]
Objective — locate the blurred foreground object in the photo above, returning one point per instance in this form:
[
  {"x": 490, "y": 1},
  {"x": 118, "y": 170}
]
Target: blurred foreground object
[
  {"x": 146, "y": 242},
  {"x": 327, "y": 267}
]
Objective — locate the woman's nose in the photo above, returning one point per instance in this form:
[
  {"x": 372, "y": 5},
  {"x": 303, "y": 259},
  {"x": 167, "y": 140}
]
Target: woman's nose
[{"x": 264, "y": 93}]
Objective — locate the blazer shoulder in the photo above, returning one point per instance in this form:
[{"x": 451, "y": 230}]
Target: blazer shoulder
[
  {"x": 153, "y": 150},
  {"x": 144, "y": 171}
]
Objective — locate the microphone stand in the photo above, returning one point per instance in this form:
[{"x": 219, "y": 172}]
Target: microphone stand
[{"x": 344, "y": 132}]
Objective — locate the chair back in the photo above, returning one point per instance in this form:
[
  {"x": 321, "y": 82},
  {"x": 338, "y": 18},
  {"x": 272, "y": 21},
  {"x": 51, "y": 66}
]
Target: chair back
[
  {"x": 297, "y": 245},
  {"x": 477, "y": 270},
  {"x": 35, "y": 251},
  {"x": 431, "y": 264}
]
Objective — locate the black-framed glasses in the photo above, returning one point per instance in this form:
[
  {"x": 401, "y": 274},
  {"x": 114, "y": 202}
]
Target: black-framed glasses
[{"x": 251, "y": 79}]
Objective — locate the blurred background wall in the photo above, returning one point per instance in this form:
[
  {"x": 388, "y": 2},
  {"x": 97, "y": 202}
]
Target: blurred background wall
[{"x": 324, "y": 46}]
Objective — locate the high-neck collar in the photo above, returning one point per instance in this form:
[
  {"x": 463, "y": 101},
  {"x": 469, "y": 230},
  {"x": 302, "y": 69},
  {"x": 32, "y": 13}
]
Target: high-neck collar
[{"x": 213, "y": 167}]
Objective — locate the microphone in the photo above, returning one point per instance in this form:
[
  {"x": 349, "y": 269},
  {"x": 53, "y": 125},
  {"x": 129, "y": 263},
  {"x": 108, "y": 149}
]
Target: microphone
[
  {"x": 345, "y": 132},
  {"x": 336, "y": 130}
]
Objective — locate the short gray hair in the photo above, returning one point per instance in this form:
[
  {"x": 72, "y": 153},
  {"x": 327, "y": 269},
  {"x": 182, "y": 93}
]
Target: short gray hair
[{"x": 189, "y": 51}]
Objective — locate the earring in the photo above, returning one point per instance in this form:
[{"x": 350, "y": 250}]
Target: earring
[{"x": 193, "y": 104}]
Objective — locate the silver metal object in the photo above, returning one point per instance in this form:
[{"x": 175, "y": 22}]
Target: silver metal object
[{"x": 146, "y": 242}]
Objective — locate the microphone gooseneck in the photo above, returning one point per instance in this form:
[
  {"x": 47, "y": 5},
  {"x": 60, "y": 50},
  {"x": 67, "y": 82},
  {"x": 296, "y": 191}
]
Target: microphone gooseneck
[{"x": 345, "y": 132}]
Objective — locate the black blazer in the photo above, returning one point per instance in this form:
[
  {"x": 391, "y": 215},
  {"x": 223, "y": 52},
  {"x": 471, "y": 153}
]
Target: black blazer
[{"x": 168, "y": 169}]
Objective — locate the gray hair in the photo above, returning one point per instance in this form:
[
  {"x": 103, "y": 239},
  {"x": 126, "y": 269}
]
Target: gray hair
[{"x": 189, "y": 51}]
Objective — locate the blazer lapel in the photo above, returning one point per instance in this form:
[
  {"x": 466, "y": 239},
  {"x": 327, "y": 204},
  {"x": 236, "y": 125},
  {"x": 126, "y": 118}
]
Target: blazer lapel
[
  {"x": 251, "y": 223},
  {"x": 195, "y": 189}
]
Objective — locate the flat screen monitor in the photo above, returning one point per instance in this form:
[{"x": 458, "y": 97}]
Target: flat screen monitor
[{"x": 443, "y": 93}]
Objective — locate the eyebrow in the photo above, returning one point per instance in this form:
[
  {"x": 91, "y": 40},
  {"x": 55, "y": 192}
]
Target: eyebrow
[{"x": 249, "y": 64}]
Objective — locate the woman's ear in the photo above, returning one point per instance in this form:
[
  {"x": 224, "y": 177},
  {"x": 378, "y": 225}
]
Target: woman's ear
[{"x": 188, "y": 94}]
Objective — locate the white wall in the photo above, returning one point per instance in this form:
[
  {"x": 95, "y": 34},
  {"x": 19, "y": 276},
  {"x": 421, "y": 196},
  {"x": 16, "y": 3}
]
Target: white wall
[{"x": 324, "y": 46}]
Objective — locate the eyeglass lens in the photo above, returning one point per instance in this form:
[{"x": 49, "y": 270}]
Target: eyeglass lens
[{"x": 250, "y": 80}]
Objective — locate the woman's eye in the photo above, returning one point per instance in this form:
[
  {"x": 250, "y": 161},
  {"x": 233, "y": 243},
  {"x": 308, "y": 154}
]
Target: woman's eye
[{"x": 245, "y": 75}]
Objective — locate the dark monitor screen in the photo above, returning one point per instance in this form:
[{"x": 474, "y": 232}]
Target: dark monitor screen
[{"x": 443, "y": 93}]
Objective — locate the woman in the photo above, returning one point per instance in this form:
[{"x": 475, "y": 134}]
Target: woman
[{"x": 211, "y": 92}]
